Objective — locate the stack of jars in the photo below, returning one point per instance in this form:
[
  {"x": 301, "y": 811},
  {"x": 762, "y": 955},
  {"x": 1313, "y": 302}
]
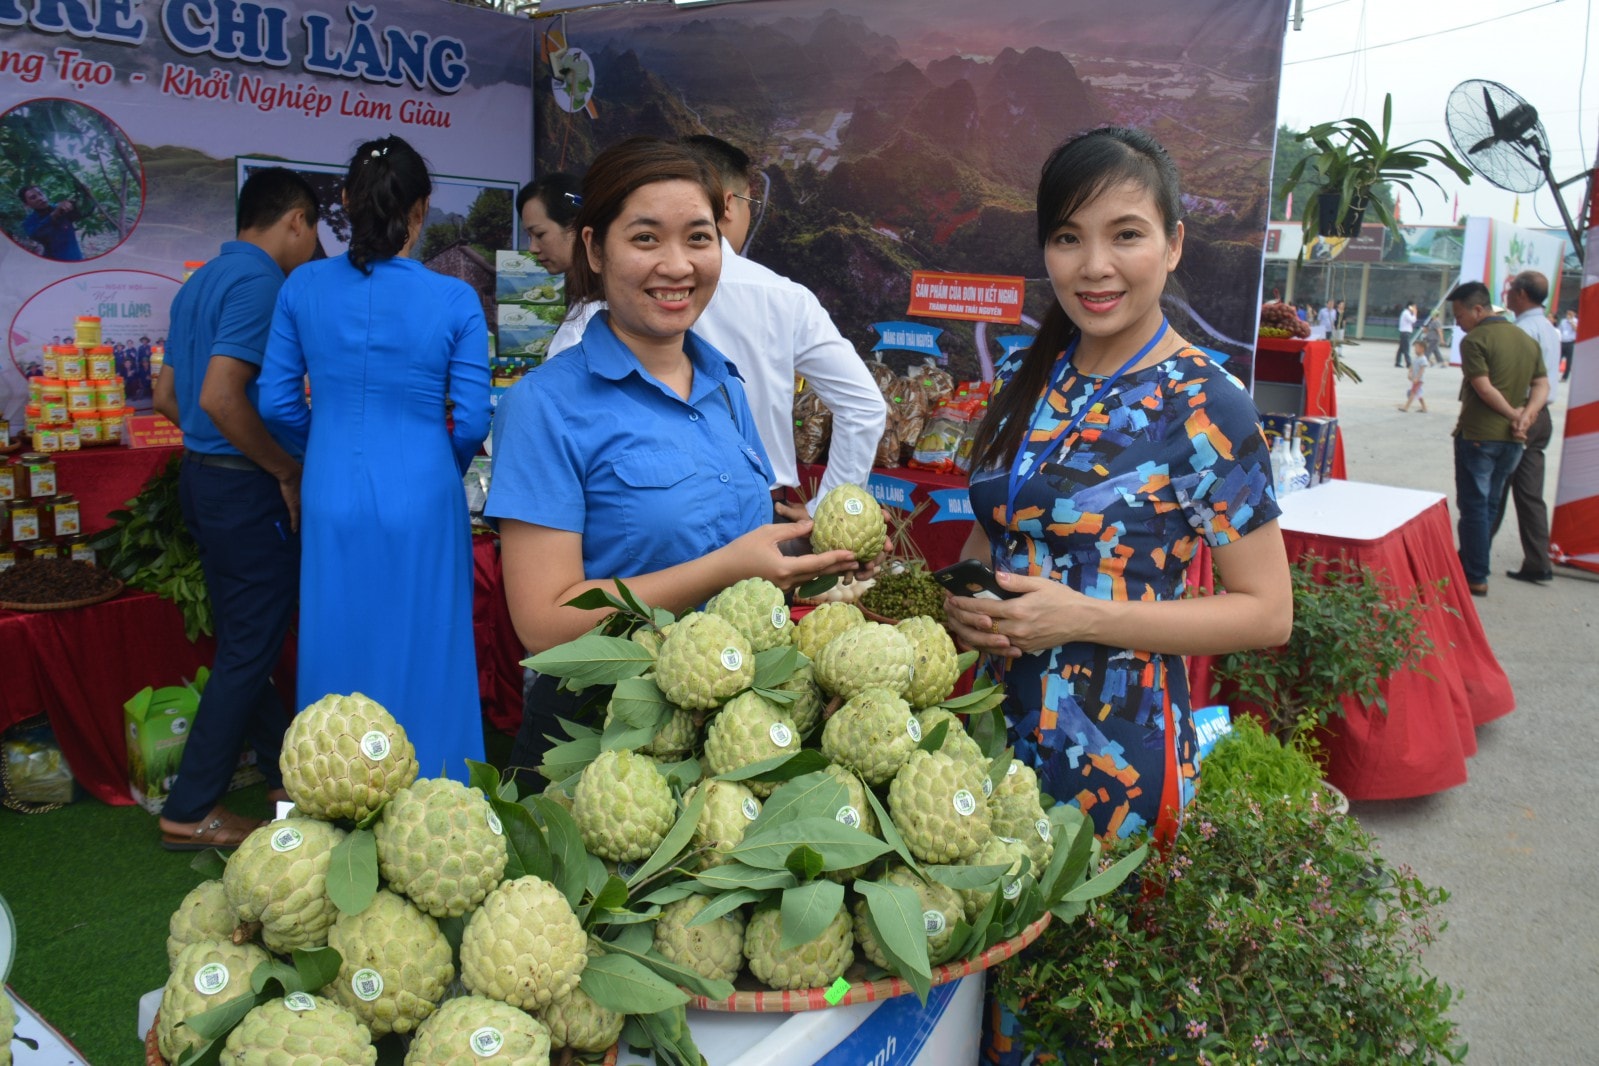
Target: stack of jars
[
  {"x": 36, "y": 521},
  {"x": 80, "y": 400}
]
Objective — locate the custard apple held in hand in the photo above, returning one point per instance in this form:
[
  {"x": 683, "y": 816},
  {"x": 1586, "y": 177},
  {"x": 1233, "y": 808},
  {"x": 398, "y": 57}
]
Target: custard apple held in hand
[
  {"x": 758, "y": 610},
  {"x": 441, "y": 845},
  {"x": 279, "y": 877},
  {"x": 623, "y": 806},
  {"x": 206, "y": 975},
  {"x": 814, "y": 964},
  {"x": 935, "y": 663},
  {"x": 703, "y": 661},
  {"x": 937, "y": 804},
  {"x": 729, "y": 809},
  {"x": 575, "y": 1021},
  {"x": 871, "y": 655},
  {"x": 299, "y": 1028},
  {"x": 941, "y": 909},
  {"x": 849, "y": 517},
  {"x": 204, "y": 914},
  {"x": 397, "y": 964},
  {"x": 818, "y": 629},
  {"x": 474, "y": 1030},
  {"x": 714, "y": 950},
  {"x": 524, "y": 945},
  {"x": 873, "y": 734},
  {"x": 344, "y": 757},
  {"x": 748, "y": 730}
]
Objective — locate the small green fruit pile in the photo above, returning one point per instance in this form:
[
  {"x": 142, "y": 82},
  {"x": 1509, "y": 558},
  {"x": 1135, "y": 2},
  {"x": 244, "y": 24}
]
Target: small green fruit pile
[{"x": 905, "y": 590}]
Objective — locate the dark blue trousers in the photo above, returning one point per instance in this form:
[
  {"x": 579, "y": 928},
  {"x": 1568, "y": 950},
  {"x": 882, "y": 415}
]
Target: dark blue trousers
[{"x": 252, "y": 571}]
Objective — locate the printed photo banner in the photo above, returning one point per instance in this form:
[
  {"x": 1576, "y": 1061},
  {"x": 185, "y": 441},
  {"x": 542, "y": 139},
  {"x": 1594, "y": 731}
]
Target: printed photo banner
[{"x": 125, "y": 125}]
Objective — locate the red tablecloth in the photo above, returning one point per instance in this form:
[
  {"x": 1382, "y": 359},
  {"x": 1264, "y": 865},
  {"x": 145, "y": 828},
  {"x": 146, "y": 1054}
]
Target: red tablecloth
[
  {"x": 103, "y": 479},
  {"x": 939, "y": 533},
  {"x": 80, "y": 666},
  {"x": 1421, "y": 745}
]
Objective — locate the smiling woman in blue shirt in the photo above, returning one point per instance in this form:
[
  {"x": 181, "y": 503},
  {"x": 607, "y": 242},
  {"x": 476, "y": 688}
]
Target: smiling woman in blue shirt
[{"x": 634, "y": 454}]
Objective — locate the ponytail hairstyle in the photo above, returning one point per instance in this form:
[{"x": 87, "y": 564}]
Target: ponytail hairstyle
[
  {"x": 1074, "y": 175},
  {"x": 386, "y": 180},
  {"x": 558, "y": 192}
]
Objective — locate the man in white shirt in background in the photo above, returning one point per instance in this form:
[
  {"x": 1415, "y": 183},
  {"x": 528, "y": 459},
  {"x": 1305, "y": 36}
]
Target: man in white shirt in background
[
  {"x": 1568, "y": 342},
  {"x": 773, "y": 329},
  {"x": 1528, "y": 291},
  {"x": 1407, "y": 328},
  {"x": 1326, "y": 318}
]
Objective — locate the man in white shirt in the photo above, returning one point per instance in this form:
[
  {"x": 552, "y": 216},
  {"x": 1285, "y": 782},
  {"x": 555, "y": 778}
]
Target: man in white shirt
[
  {"x": 1568, "y": 342},
  {"x": 1407, "y": 327},
  {"x": 1528, "y": 291},
  {"x": 1326, "y": 318},
  {"x": 773, "y": 329}
]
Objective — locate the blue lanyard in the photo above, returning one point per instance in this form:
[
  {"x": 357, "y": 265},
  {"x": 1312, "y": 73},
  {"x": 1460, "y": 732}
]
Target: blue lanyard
[{"x": 1062, "y": 367}]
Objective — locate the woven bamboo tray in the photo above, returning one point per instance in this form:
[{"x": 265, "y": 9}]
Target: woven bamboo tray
[
  {"x": 769, "y": 1002},
  {"x": 65, "y": 605}
]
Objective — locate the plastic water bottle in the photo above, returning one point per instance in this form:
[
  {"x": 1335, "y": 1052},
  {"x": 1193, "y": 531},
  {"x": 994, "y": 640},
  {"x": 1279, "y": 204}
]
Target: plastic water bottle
[{"x": 1280, "y": 461}]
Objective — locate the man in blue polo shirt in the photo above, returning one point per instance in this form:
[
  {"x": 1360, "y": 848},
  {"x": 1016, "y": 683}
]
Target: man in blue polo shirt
[{"x": 240, "y": 491}]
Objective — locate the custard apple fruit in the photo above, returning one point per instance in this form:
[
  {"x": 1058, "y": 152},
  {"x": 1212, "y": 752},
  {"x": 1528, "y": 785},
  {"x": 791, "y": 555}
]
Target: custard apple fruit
[
  {"x": 873, "y": 734},
  {"x": 1022, "y": 816},
  {"x": 855, "y": 812},
  {"x": 806, "y": 711},
  {"x": 714, "y": 950},
  {"x": 8, "y": 1027},
  {"x": 397, "y": 964},
  {"x": 749, "y": 729},
  {"x": 345, "y": 757},
  {"x": 937, "y": 804},
  {"x": 524, "y": 945},
  {"x": 649, "y": 638},
  {"x": 935, "y": 663},
  {"x": 207, "y": 974},
  {"x": 703, "y": 661},
  {"x": 204, "y": 914},
  {"x": 957, "y": 741},
  {"x": 1019, "y": 780},
  {"x": 299, "y": 1028},
  {"x": 279, "y": 877},
  {"x": 941, "y": 909},
  {"x": 849, "y": 517},
  {"x": 998, "y": 851},
  {"x": 673, "y": 741},
  {"x": 757, "y": 609},
  {"x": 814, "y": 964},
  {"x": 575, "y": 1021},
  {"x": 623, "y": 806},
  {"x": 441, "y": 845},
  {"x": 871, "y": 655},
  {"x": 817, "y": 629},
  {"x": 469, "y": 1030},
  {"x": 730, "y": 807}
]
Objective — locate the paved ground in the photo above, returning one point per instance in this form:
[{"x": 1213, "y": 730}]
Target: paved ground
[{"x": 1518, "y": 844}]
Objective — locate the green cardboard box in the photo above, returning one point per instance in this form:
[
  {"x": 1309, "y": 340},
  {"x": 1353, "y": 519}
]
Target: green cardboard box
[{"x": 157, "y": 722}]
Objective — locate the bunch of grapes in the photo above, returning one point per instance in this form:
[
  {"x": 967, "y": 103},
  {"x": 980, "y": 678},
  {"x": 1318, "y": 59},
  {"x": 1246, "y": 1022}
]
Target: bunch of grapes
[{"x": 904, "y": 590}]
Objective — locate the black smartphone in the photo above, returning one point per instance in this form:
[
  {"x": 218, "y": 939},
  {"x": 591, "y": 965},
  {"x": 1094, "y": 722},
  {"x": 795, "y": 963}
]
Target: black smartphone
[{"x": 972, "y": 578}]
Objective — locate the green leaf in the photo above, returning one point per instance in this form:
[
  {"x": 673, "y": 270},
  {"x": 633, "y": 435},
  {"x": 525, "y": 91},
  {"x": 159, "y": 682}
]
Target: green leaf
[
  {"x": 669, "y": 1037},
  {"x": 634, "y": 604},
  {"x": 217, "y": 1022},
  {"x": 1069, "y": 862},
  {"x": 453, "y": 929},
  {"x": 623, "y": 917},
  {"x": 989, "y": 730},
  {"x": 808, "y": 910},
  {"x": 778, "y": 767},
  {"x": 662, "y": 617},
  {"x": 895, "y": 912},
  {"x": 841, "y": 846},
  {"x": 681, "y": 775},
  {"x": 816, "y": 586},
  {"x": 624, "y": 984},
  {"x": 977, "y": 701},
  {"x": 726, "y": 902},
  {"x": 570, "y": 873},
  {"x": 775, "y": 665},
  {"x": 619, "y": 736},
  {"x": 570, "y": 757},
  {"x": 966, "y": 878},
  {"x": 890, "y": 832},
  {"x": 612, "y": 896},
  {"x": 483, "y": 777},
  {"x": 353, "y": 872},
  {"x": 210, "y": 864},
  {"x": 314, "y": 969},
  {"x": 638, "y": 702},
  {"x": 681, "y": 976},
  {"x": 934, "y": 738},
  {"x": 527, "y": 852},
  {"x": 670, "y": 893},
  {"x": 1110, "y": 879},
  {"x": 593, "y": 659},
  {"x": 999, "y": 766},
  {"x": 965, "y": 660},
  {"x": 677, "y": 838},
  {"x": 781, "y": 696},
  {"x": 737, "y": 875},
  {"x": 272, "y": 970},
  {"x": 595, "y": 600},
  {"x": 817, "y": 794},
  {"x": 805, "y": 863}
]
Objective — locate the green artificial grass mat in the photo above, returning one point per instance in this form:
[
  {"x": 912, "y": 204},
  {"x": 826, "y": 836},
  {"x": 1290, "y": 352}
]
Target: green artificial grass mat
[{"x": 91, "y": 889}]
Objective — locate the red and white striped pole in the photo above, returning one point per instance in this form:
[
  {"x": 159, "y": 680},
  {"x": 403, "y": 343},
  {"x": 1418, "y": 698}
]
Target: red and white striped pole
[{"x": 1574, "y": 529}]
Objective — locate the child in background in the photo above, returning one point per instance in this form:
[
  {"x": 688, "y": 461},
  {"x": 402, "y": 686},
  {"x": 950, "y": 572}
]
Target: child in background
[{"x": 1418, "y": 367}]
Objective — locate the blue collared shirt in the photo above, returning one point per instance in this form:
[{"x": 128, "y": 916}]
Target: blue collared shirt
[
  {"x": 225, "y": 308},
  {"x": 592, "y": 443}
]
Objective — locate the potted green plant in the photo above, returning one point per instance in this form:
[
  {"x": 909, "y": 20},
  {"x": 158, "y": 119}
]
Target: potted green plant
[
  {"x": 1350, "y": 159},
  {"x": 1351, "y": 633}
]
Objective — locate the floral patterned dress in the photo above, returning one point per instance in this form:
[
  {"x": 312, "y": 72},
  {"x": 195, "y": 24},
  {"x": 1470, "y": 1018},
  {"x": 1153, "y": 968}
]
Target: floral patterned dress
[{"x": 1115, "y": 509}]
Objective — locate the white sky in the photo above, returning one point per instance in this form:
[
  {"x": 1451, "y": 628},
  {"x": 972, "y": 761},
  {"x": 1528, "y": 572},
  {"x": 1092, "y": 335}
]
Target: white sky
[{"x": 1536, "y": 48}]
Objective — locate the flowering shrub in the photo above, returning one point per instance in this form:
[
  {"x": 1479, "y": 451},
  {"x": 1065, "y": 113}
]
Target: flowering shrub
[{"x": 1272, "y": 932}]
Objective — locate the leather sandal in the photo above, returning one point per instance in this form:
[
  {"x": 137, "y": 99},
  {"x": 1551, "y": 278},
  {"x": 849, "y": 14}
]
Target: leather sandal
[{"x": 221, "y": 829}]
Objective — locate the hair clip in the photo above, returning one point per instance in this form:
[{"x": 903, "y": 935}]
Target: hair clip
[{"x": 577, "y": 201}]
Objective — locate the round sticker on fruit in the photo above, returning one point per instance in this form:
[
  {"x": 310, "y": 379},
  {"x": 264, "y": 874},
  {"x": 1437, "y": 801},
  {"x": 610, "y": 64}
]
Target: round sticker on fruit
[
  {"x": 732, "y": 659},
  {"x": 849, "y": 816},
  {"x": 626, "y": 870},
  {"x": 965, "y": 803},
  {"x": 494, "y": 823},
  {"x": 751, "y": 808},
  {"x": 934, "y": 922},
  {"x": 1042, "y": 825},
  {"x": 988, "y": 788},
  {"x": 286, "y": 839},
  {"x": 779, "y": 616},
  {"x": 1013, "y": 888},
  {"x": 781, "y": 734},
  {"x": 1015, "y": 764},
  {"x": 367, "y": 985},
  {"x": 299, "y": 1001},
  {"x": 211, "y": 979},
  {"x": 914, "y": 728},
  {"x": 486, "y": 1041},
  {"x": 375, "y": 746},
  {"x": 854, "y": 506}
]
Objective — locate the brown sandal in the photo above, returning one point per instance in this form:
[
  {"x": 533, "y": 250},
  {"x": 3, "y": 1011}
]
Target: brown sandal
[{"x": 223, "y": 829}]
